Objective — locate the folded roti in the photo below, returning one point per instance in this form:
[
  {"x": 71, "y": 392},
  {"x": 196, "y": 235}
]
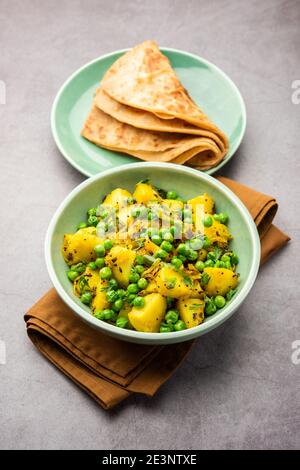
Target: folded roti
[
  {"x": 143, "y": 78},
  {"x": 201, "y": 152},
  {"x": 149, "y": 121}
]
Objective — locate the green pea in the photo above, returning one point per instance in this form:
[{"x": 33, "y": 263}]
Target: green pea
[
  {"x": 99, "y": 262},
  {"x": 171, "y": 195},
  {"x": 72, "y": 275},
  {"x": 207, "y": 221},
  {"x": 99, "y": 250},
  {"x": 162, "y": 232},
  {"x": 111, "y": 295},
  {"x": 223, "y": 218},
  {"x": 105, "y": 273},
  {"x": 182, "y": 249},
  {"x": 217, "y": 264},
  {"x": 139, "y": 268},
  {"x": 130, "y": 298},
  {"x": 92, "y": 221},
  {"x": 209, "y": 263},
  {"x": 86, "y": 298},
  {"x": 117, "y": 305},
  {"x": 156, "y": 239},
  {"x": 167, "y": 246},
  {"x": 177, "y": 262},
  {"x": 121, "y": 293},
  {"x": 182, "y": 258},
  {"x": 167, "y": 236},
  {"x": 165, "y": 328},
  {"x": 170, "y": 301},
  {"x": 142, "y": 283},
  {"x": 161, "y": 254},
  {"x": 171, "y": 316},
  {"x": 136, "y": 211},
  {"x": 92, "y": 265},
  {"x": 99, "y": 315},
  {"x": 179, "y": 325},
  {"x": 122, "y": 322},
  {"x": 200, "y": 265},
  {"x": 131, "y": 200},
  {"x": 227, "y": 265},
  {"x": 234, "y": 259},
  {"x": 196, "y": 244},
  {"x": 217, "y": 217},
  {"x": 113, "y": 284},
  {"x": 134, "y": 277},
  {"x": 225, "y": 258},
  {"x": 104, "y": 214},
  {"x": 81, "y": 225},
  {"x": 219, "y": 301},
  {"x": 206, "y": 243},
  {"x": 192, "y": 255},
  {"x": 108, "y": 314},
  {"x": 108, "y": 244},
  {"x": 139, "y": 302},
  {"x": 92, "y": 211},
  {"x": 221, "y": 264},
  {"x": 210, "y": 308},
  {"x": 211, "y": 255},
  {"x": 132, "y": 289},
  {"x": 114, "y": 316},
  {"x": 139, "y": 259},
  {"x": 152, "y": 231}
]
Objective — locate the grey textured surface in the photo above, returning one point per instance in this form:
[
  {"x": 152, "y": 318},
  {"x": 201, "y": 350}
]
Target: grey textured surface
[{"x": 239, "y": 387}]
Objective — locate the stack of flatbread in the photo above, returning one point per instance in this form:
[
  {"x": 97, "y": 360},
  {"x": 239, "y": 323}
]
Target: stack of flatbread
[{"x": 142, "y": 109}]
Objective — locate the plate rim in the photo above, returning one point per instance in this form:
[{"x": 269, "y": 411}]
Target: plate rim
[{"x": 64, "y": 85}]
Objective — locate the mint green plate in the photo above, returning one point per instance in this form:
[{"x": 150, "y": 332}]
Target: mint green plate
[
  {"x": 211, "y": 88},
  {"x": 167, "y": 176}
]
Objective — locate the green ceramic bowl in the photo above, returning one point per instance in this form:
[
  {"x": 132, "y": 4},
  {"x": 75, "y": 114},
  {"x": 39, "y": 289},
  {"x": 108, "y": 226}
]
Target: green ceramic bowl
[
  {"x": 209, "y": 86},
  {"x": 188, "y": 183}
]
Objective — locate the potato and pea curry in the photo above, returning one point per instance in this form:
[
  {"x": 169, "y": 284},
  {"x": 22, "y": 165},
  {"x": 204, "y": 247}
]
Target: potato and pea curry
[{"x": 152, "y": 262}]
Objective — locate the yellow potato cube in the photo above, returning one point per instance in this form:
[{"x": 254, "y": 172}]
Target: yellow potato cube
[
  {"x": 172, "y": 283},
  {"x": 191, "y": 311},
  {"x": 221, "y": 280},
  {"x": 149, "y": 317}
]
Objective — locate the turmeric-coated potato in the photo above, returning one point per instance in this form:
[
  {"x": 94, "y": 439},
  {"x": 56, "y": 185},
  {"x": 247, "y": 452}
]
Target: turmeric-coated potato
[
  {"x": 145, "y": 193},
  {"x": 149, "y": 317},
  {"x": 80, "y": 245},
  {"x": 221, "y": 280},
  {"x": 191, "y": 311},
  {"x": 218, "y": 233},
  {"x": 121, "y": 259},
  {"x": 117, "y": 198},
  {"x": 100, "y": 301},
  {"x": 172, "y": 283},
  {"x": 87, "y": 282}
]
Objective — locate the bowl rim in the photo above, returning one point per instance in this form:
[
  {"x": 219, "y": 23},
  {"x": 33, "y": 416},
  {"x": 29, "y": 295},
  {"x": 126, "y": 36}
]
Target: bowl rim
[
  {"x": 53, "y": 120},
  {"x": 132, "y": 335}
]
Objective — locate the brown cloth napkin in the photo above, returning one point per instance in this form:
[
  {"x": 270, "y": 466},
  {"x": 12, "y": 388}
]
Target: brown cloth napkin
[{"x": 109, "y": 369}]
